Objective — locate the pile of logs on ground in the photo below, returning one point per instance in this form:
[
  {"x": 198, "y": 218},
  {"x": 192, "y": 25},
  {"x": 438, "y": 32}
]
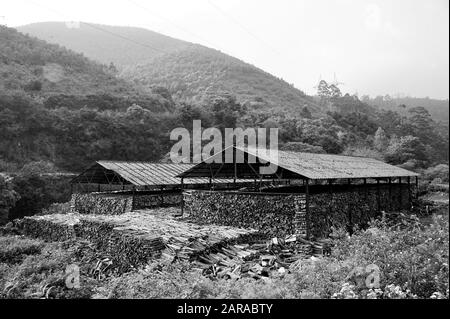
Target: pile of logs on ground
[
  {"x": 132, "y": 239},
  {"x": 56, "y": 227},
  {"x": 99, "y": 204},
  {"x": 274, "y": 214},
  {"x": 261, "y": 258}
]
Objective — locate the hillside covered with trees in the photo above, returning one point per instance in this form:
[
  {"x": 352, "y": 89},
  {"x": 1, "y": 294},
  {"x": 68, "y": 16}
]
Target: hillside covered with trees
[
  {"x": 195, "y": 73},
  {"x": 68, "y": 124},
  {"x": 190, "y": 72},
  {"x": 438, "y": 109},
  {"x": 106, "y": 44},
  {"x": 57, "y": 77}
]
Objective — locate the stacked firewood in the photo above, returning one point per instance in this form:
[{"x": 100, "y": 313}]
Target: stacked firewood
[
  {"x": 56, "y": 227},
  {"x": 142, "y": 201},
  {"x": 102, "y": 204},
  {"x": 271, "y": 214},
  {"x": 260, "y": 259},
  {"x": 127, "y": 247},
  {"x": 131, "y": 239}
]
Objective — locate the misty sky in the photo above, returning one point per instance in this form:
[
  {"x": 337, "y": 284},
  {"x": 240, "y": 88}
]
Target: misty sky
[{"x": 374, "y": 47}]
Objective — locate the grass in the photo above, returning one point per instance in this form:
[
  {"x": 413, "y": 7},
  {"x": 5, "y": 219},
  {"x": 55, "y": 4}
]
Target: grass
[{"x": 412, "y": 260}]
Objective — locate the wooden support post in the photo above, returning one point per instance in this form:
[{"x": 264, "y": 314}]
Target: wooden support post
[
  {"x": 308, "y": 223},
  {"x": 330, "y": 189},
  {"x": 235, "y": 173},
  {"x": 400, "y": 191},
  {"x": 182, "y": 196},
  {"x": 365, "y": 188},
  {"x": 390, "y": 193},
  {"x": 378, "y": 197},
  {"x": 417, "y": 187},
  {"x": 409, "y": 191}
]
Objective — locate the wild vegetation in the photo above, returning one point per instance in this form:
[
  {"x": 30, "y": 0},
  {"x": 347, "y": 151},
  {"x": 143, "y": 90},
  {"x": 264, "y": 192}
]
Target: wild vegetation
[
  {"x": 196, "y": 73},
  {"x": 412, "y": 260},
  {"x": 59, "y": 112},
  {"x": 56, "y": 77},
  {"x": 111, "y": 42},
  {"x": 90, "y": 114}
]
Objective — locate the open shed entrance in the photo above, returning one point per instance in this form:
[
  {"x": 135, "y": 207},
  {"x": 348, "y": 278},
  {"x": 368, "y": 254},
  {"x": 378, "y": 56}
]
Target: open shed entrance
[{"x": 308, "y": 194}]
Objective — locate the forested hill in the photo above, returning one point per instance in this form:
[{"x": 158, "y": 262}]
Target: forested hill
[
  {"x": 197, "y": 72},
  {"x": 60, "y": 77},
  {"x": 106, "y": 44},
  {"x": 439, "y": 109},
  {"x": 190, "y": 72}
]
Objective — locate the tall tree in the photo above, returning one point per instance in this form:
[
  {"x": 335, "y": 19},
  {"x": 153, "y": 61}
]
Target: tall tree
[
  {"x": 380, "y": 141},
  {"x": 8, "y": 198}
]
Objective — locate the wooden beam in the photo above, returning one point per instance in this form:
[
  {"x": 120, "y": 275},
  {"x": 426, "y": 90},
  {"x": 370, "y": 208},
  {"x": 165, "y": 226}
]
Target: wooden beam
[
  {"x": 378, "y": 197},
  {"x": 182, "y": 196},
  {"x": 409, "y": 191},
  {"x": 390, "y": 193},
  {"x": 308, "y": 221},
  {"x": 417, "y": 187}
]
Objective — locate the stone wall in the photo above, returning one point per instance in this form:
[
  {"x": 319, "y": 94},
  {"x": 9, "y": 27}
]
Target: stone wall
[{"x": 275, "y": 214}]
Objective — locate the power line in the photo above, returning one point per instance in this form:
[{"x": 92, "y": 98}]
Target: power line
[
  {"x": 123, "y": 37},
  {"x": 228, "y": 16},
  {"x": 174, "y": 24},
  {"x": 103, "y": 30}
]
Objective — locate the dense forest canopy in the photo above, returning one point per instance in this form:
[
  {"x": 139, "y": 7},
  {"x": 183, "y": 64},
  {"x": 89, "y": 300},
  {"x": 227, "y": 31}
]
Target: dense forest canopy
[
  {"x": 439, "y": 109},
  {"x": 189, "y": 71},
  {"x": 72, "y": 125},
  {"x": 196, "y": 72},
  {"x": 55, "y": 76},
  {"x": 60, "y": 111},
  {"x": 111, "y": 44}
]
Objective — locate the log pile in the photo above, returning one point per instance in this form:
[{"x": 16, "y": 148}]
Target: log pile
[
  {"x": 55, "y": 227},
  {"x": 261, "y": 258},
  {"x": 127, "y": 247},
  {"x": 131, "y": 239},
  {"x": 142, "y": 201},
  {"x": 102, "y": 204},
  {"x": 273, "y": 214},
  {"x": 341, "y": 210}
]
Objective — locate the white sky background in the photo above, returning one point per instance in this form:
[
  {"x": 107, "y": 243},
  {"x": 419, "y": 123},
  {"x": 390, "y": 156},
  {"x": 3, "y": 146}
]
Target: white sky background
[{"x": 375, "y": 47}]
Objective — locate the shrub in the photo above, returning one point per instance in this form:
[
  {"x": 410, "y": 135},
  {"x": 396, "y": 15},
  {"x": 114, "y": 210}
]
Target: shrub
[
  {"x": 13, "y": 249},
  {"x": 437, "y": 172}
]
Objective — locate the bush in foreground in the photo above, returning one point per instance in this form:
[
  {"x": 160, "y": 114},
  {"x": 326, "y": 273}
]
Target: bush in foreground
[{"x": 411, "y": 261}]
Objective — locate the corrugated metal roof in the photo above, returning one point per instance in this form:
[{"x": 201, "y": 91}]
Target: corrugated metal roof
[
  {"x": 329, "y": 166},
  {"x": 141, "y": 174},
  {"x": 324, "y": 166},
  {"x": 150, "y": 174}
]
